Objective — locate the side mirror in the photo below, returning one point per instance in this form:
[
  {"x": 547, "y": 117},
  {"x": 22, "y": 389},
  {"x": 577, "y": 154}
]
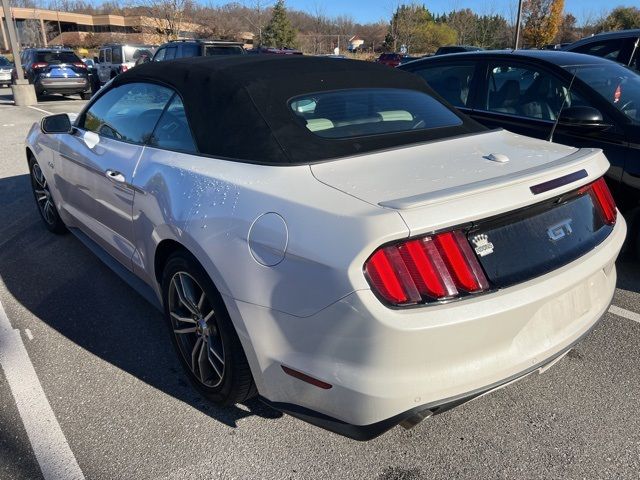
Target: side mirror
[
  {"x": 60, "y": 123},
  {"x": 582, "y": 116}
]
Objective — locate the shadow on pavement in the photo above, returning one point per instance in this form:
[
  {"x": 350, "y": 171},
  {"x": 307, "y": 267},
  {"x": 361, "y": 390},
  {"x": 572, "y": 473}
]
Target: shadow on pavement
[{"x": 63, "y": 284}]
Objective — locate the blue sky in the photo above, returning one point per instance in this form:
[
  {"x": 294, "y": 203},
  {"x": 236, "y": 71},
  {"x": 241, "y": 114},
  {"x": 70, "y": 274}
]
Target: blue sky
[{"x": 372, "y": 10}]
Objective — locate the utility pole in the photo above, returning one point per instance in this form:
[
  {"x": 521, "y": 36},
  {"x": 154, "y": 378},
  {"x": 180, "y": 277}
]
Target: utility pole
[
  {"x": 23, "y": 92},
  {"x": 518, "y": 24}
]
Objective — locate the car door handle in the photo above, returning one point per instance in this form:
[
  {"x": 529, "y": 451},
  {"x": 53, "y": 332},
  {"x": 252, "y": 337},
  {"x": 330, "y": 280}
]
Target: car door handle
[{"x": 115, "y": 176}]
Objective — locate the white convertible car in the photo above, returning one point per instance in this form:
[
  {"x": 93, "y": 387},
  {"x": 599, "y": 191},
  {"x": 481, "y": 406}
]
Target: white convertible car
[{"x": 332, "y": 236}]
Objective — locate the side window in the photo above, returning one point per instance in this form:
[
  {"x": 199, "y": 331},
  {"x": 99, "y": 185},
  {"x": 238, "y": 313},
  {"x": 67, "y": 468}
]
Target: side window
[
  {"x": 528, "y": 92},
  {"x": 101, "y": 56},
  {"x": 107, "y": 55},
  {"x": 172, "y": 131},
  {"x": 170, "y": 54},
  {"x": 190, "y": 50},
  {"x": 159, "y": 56},
  {"x": 451, "y": 81},
  {"x": 607, "y": 48},
  {"x": 116, "y": 55},
  {"x": 128, "y": 113}
]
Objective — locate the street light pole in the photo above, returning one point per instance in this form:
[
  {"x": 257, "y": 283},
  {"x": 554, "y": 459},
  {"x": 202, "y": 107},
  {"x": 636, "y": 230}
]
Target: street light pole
[
  {"x": 518, "y": 24},
  {"x": 23, "y": 92}
]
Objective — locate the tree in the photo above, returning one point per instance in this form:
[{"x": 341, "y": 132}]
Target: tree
[
  {"x": 168, "y": 16},
  {"x": 465, "y": 23},
  {"x": 622, "y": 18},
  {"x": 407, "y": 26},
  {"x": 279, "y": 32},
  {"x": 567, "y": 32},
  {"x": 541, "y": 21}
]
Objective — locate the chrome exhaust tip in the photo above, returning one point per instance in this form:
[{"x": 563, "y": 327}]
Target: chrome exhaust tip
[{"x": 413, "y": 420}]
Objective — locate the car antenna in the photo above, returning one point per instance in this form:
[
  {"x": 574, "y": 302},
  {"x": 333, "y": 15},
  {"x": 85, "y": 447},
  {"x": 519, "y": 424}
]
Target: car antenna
[
  {"x": 564, "y": 101},
  {"x": 633, "y": 53}
]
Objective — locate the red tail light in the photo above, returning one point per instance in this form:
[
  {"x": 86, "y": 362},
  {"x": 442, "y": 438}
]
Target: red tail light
[
  {"x": 79, "y": 65},
  {"x": 603, "y": 200},
  {"x": 427, "y": 269},
  {"x": 39, "y": 65}
]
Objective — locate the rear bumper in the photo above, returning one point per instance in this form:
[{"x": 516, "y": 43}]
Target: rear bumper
[
  {"x": 373, "y": 430},
  {"x": 385, "y": 365},
  {"x": 62, "y": 85}
]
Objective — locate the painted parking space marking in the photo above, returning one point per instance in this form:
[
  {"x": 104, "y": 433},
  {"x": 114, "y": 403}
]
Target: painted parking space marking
[
  {"x": 54, "y": 456},
  {"x": 40, "y": 110},
  {"x": 628, "y": 314}
]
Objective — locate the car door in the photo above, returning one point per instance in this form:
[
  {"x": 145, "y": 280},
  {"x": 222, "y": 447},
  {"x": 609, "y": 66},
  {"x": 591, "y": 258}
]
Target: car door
[
  {"x": 453, "y": 80},
  {"x": 98, "y": 160},
  {"x": 526, "y": 98},
  {"x": 104, "y": 69}
]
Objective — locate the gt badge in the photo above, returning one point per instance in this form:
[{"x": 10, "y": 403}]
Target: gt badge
[
  {"x": 482, "y": 245},
  {"x": 560, "y": 230}
]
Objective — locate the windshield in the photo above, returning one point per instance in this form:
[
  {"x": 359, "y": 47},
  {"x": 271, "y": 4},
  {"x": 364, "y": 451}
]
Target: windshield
[
  {"x": 4, "y": 62},
  {"x": 619, "y": 85},
  {"x": 359, "y": 112},
  {"x": 57, "y": 57}
]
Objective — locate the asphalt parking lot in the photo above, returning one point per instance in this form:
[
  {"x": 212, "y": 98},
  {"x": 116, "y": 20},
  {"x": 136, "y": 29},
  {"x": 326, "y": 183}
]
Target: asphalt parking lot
[{"x": 123, "y": 408}]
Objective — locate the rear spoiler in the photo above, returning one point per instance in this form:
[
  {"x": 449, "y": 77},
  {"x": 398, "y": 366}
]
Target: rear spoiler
[{"x": 572, "y": 167}]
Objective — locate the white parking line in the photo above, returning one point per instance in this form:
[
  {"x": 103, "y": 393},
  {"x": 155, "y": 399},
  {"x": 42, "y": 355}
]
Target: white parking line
[
  {"x": 628, "y": 314},
  {"x": 50, "y": 447},
  {"x": 40, "y": 110}
]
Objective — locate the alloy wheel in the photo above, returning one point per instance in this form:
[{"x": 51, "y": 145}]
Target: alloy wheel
[
  {"x": 43, "y": 195},
  {"x": 196, "y": 329}
]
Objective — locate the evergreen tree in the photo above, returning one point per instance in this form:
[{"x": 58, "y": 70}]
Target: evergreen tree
[{"x": 279, "y": 32}]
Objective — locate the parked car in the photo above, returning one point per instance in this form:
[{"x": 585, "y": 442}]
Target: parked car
[
  {"x": 457, "y": 49},
  {"x": 622, "y": 46},
  {"x": 113, "y": 59},
  {"x": 55, "y": 70},
  {"x": 197, "y": 48},
  {"x": 532, "y": 92},
  {"x": 371, "y": 257},
  {"x": 6, "y": 67},
  {"x": 393, "y": 59}
]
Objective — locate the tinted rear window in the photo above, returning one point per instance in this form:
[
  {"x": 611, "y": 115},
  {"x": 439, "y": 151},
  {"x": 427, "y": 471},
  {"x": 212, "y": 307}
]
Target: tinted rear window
[
  {"x": 57, "y": 57},
  {"x": 361, "y": 112},
  {"x": 222, "y": 50}
]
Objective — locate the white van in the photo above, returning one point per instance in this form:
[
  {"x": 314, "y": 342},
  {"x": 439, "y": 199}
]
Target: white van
[{"x": 117, "y": 58}]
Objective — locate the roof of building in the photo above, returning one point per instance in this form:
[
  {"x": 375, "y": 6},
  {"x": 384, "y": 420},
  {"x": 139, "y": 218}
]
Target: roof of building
[{"x": 238, "y": 106}]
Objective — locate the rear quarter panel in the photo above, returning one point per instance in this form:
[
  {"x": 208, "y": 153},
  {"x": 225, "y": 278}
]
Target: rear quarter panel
[{"x": 209, "y": 206}]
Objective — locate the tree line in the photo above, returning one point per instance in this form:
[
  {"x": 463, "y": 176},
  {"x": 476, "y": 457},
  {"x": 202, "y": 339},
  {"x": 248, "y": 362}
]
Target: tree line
[{"x": 411, "y": 27}]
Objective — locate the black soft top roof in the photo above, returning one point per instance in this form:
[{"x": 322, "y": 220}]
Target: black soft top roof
[{"x": 238, "y": 106}]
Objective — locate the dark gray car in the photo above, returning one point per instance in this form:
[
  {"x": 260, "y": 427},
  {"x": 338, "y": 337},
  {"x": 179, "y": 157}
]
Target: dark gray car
[{"x": 622, "y": 46}]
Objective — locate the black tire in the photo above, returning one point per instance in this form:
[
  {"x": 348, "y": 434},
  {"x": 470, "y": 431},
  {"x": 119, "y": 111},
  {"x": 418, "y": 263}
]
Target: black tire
[
  {"x": 48, "y": 213},
  {"x": 235, "y": 384},
  {"x": 85, "y": 95}
]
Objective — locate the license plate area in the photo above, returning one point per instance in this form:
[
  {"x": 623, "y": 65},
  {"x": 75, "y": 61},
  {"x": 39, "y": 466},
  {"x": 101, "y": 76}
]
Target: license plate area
[
  {"x": 537, "y": 240},
  {"x": 62, "y": 72}
]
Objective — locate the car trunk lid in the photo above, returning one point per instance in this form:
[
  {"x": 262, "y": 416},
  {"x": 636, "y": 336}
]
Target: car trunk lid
[{"x": 440, "y": 184}]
